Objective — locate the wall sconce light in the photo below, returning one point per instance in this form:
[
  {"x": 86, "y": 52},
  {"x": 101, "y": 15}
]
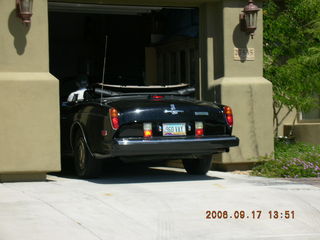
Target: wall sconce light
[
  {"x": 249, "y": 17},
  {"x": 24, "y": 10}
]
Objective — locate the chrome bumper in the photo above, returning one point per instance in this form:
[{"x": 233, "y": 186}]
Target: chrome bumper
[{"x": 185, "y": 145}]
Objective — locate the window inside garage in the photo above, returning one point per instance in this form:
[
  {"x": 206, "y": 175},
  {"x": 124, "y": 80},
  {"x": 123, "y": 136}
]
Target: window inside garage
[{"x": 145, "y": 45}]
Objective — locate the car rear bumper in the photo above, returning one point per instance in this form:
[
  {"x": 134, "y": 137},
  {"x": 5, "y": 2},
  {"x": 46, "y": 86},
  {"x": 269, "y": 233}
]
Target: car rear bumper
[{"x": 164, "y": 146}]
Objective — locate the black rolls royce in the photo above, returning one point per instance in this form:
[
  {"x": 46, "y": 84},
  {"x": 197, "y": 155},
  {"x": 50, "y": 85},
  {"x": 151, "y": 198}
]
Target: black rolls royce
[{"x": 134, "y": 123}]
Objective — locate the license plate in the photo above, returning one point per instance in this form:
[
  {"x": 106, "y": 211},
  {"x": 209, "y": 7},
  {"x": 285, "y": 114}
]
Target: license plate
[{"x": 174, "y": 129}]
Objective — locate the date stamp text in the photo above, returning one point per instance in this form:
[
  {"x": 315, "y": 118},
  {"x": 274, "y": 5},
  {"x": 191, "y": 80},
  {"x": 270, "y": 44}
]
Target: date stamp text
[{"x": 253, "y": 214}]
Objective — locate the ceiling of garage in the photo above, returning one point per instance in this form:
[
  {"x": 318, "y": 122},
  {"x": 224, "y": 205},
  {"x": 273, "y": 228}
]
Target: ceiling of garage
[{"x": 177, "y": 3}]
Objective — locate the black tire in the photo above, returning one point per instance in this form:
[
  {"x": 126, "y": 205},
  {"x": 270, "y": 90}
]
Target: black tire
[
  {"x": 198, "y": 166},
  {"x": 85, "y": 164}
]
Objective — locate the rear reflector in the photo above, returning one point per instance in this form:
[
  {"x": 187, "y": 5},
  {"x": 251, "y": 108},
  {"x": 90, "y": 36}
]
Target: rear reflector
[
  {"x": 199, "y": 129},
  {"x": 147, "y": 129},
  {"x": 114, "y": 117},
  {"x": 228, "y": 113},
  {"x": 104, "y": 133}
]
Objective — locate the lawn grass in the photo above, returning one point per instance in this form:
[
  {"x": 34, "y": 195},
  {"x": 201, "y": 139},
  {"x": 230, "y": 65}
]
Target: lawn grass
[{"x": 294, "y": 160}]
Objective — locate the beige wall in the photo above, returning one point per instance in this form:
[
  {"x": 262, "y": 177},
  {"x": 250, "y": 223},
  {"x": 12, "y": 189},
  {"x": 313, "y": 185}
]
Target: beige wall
[
  {"x": 285, "y": 117},
  {"x": 233, "y": 37},
  {"x": 251, "y": 101},
  {"x": 29, "y": 100},
  {"x": 29, "y": 123},
  {"x": 304, "y": 132},
  {"x": 238, "y": 84},
  {"x": 23, "y": 49}
]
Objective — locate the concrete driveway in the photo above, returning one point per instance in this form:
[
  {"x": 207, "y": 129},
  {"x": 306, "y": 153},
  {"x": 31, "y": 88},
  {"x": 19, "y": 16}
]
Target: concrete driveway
[{"x": 159, "y": 203}]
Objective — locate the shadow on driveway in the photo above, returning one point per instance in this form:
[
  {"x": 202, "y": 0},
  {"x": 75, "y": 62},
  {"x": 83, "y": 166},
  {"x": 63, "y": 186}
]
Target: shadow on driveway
[{"x": 125, "y": 173}]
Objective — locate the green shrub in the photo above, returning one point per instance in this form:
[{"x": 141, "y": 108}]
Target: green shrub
[{"x": 290, "y": 161}]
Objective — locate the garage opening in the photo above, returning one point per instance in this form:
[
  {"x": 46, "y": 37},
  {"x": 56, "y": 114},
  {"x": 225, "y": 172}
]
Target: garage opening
[{"x": 145, "y": 45}]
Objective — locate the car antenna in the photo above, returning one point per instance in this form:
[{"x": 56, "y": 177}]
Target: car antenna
[{"x": 104, "y": 66}]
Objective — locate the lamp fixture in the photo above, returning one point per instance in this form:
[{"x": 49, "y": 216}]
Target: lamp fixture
[
  {"x": 24, "y": 10},
  {"x": 249, "y": 18}
]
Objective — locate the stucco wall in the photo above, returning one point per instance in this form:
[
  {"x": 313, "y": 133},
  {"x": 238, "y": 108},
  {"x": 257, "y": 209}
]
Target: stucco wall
[
  {"x": 29, "y": 98},
  {"x": 304, "y": 132},
  {"x": 24, "y": 49},
  {"x": 239, "y": 84}
]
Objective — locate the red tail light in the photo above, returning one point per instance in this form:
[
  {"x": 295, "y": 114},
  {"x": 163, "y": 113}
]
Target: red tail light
[
  {"x": 147, "y": 130},
  {"x": 156, "y": 97},
  {"x": 228, "y": 113},
  {"x": 199, "y": 132},
  {"x": 199, "y": 129},
  {"x": 114, "y": 117}
]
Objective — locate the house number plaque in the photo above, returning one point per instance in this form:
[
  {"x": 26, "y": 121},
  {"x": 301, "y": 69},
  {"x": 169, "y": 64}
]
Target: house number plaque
[{"x": 243, "y": 54}]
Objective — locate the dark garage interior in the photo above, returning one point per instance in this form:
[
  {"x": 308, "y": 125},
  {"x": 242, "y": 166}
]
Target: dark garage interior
[{"x": 145, "y": 45}]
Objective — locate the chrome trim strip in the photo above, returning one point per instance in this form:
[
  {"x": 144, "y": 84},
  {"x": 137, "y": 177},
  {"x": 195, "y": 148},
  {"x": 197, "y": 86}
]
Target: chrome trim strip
[{"x": 124, "y": 142}]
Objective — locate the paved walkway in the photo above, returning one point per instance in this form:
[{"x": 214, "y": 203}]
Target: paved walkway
[
  {"x": 159, "y": 203},
  {"x": 311, "y": 181}
]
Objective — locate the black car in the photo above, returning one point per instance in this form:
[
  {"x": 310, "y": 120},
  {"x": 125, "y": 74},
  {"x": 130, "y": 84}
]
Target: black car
[{"x": 143, "y": 123}]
